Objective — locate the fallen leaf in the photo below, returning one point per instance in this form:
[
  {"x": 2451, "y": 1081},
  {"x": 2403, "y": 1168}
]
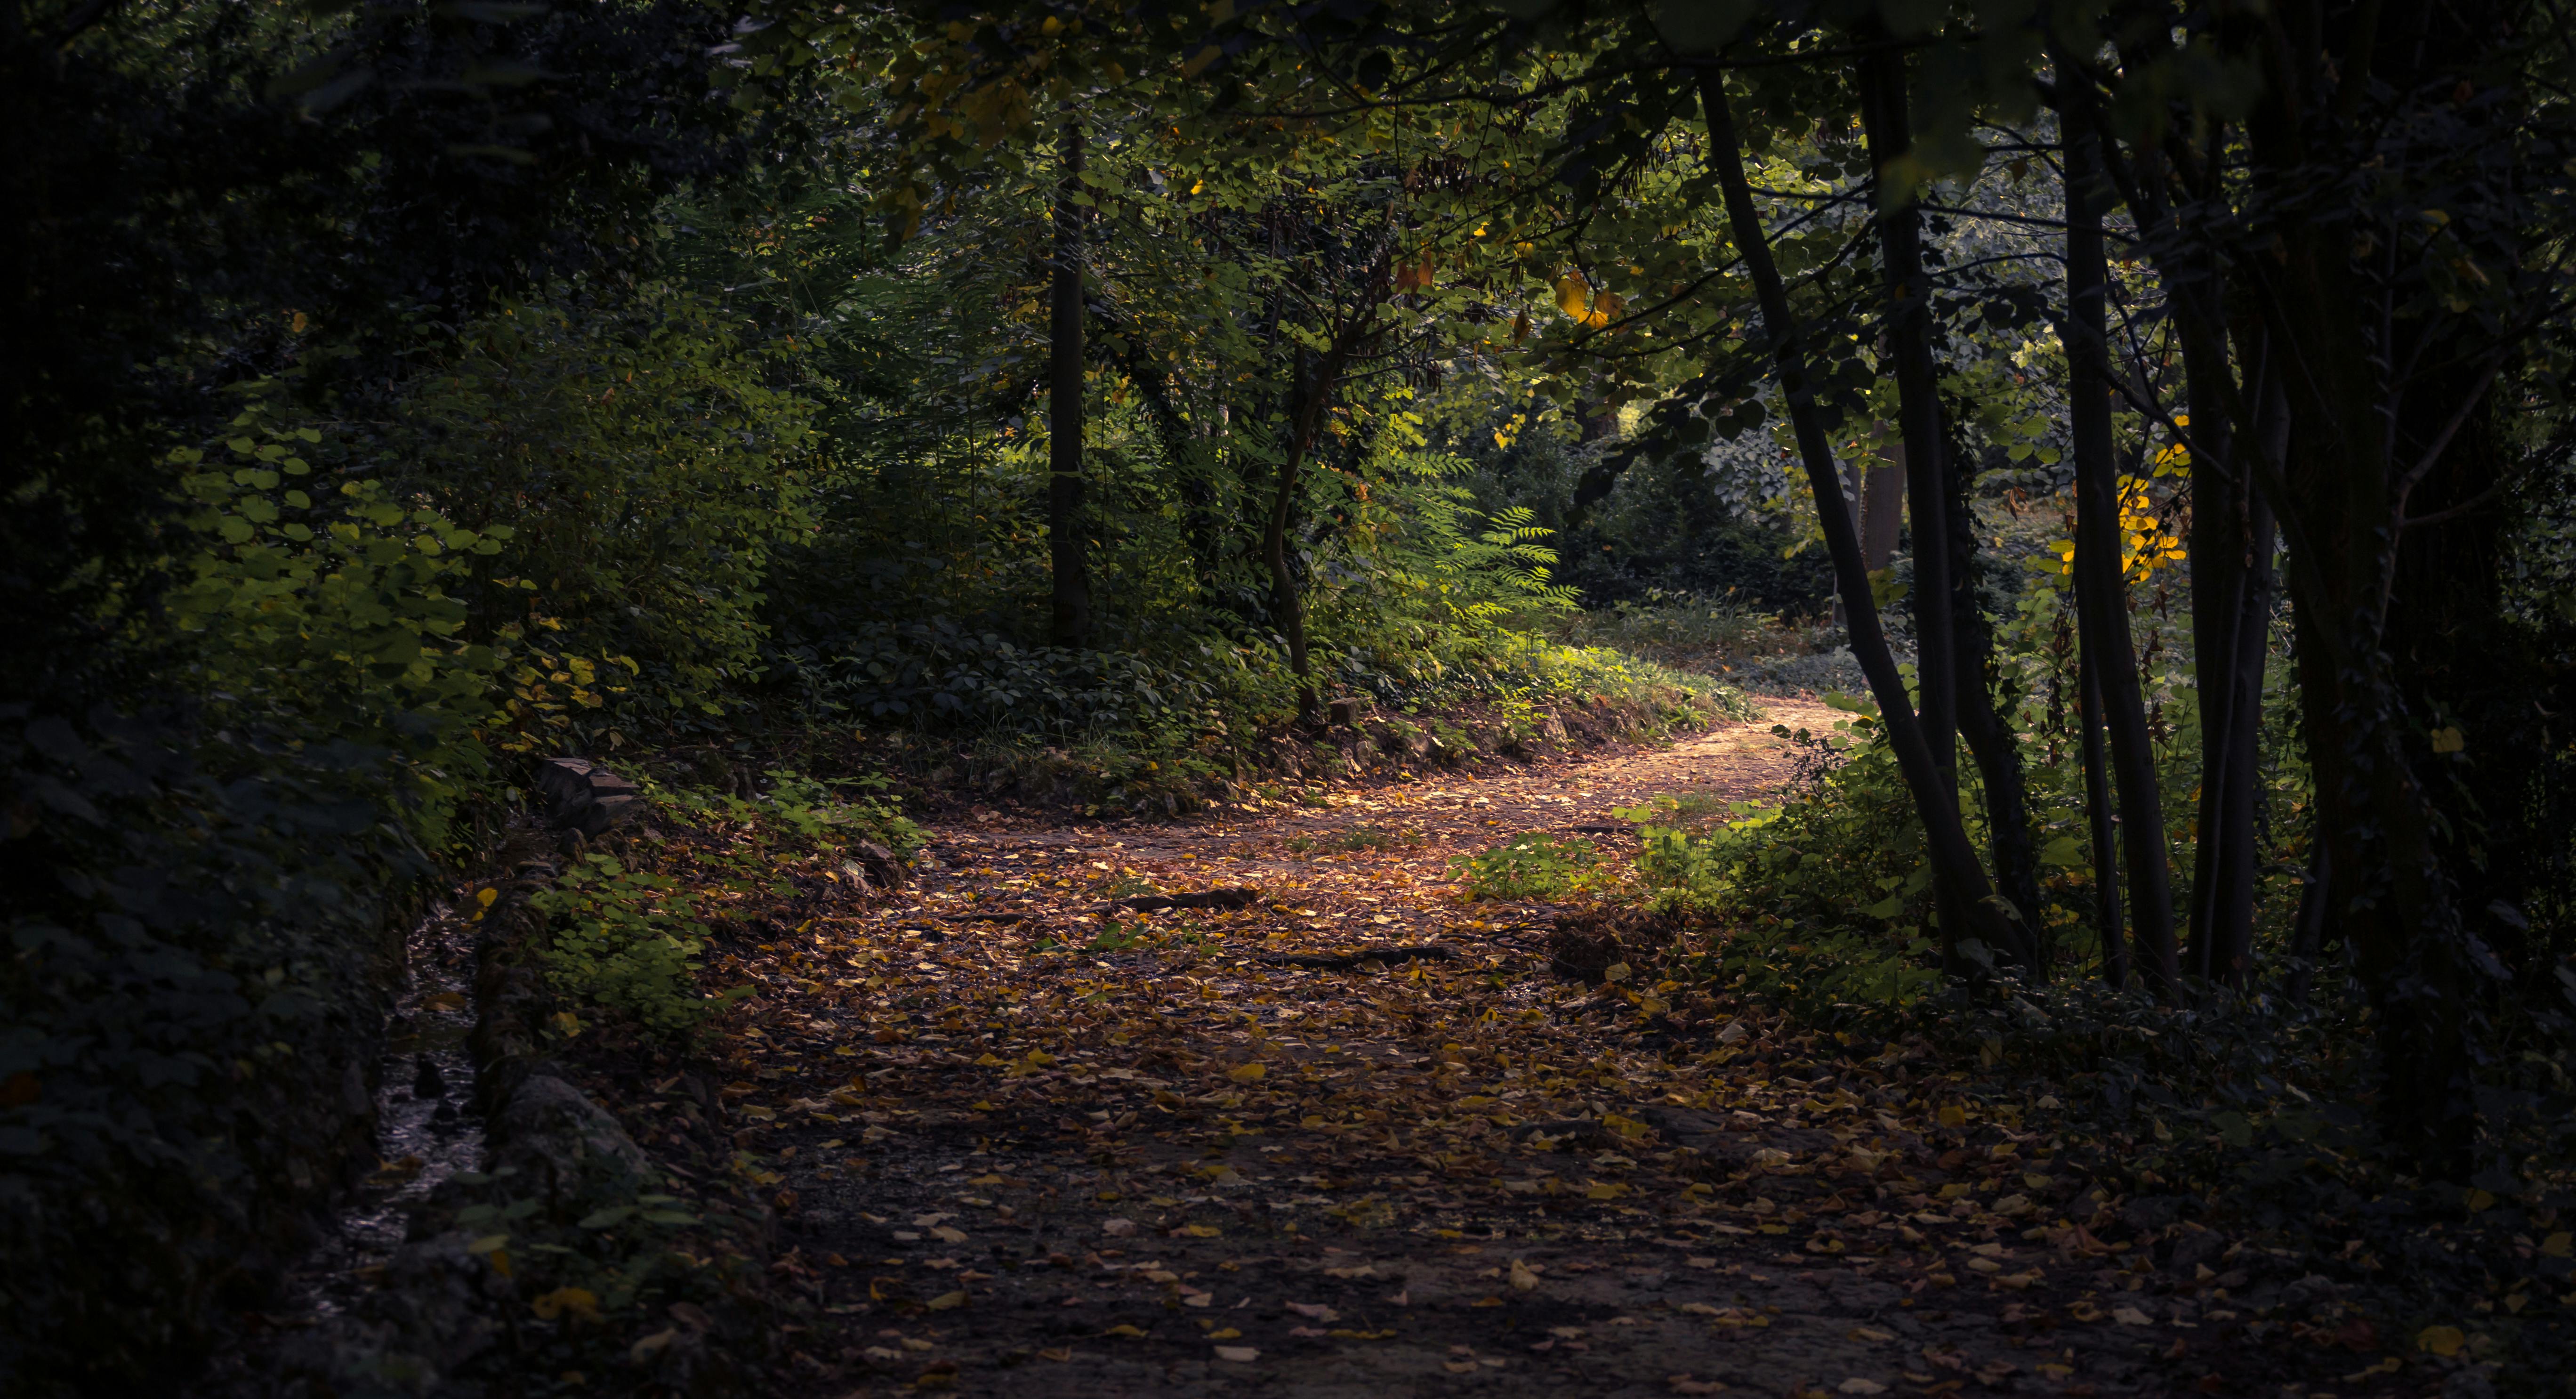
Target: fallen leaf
[
  {"x": 1861, "y": 1386},
  {"x": 1240, "y": 1355},
  {"x": 580, "y": 1302},
  {"x": 1315, "y": 1311},
  {"x": 1524, "y": 1277},
  {"x": 2444, "y": 1341},
  {"x": 2131, "y": 1316}
]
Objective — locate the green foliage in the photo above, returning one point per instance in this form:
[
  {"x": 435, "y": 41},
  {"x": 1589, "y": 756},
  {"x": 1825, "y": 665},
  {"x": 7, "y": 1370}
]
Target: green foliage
[
  {"x": 1843, "y": 849},
  {"x": 334, "y": 619},
  {"x": 1532, "y": 866},
  {"x": 798, "y": 812},
  {"x": 626, "y": 939},
  {"x": 584, "y": 1266},
  {"x": 646, "y": 468}
]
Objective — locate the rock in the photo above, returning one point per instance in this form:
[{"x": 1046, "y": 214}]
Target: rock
[
  {"x": 2195, "y": 1248},
  {"x": 1551, "y": 728},
  {"x": 2153, "y": 1212},
  {"x": 2308, "y": 1291},
  {"x": 580, "y": 795},
  {"x": 884, "y": 870},
  {"x": 548, "y": 1122},
  {"x": 1346, "y": 711}
]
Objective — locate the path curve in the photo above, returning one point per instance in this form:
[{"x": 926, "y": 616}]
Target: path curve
[{"x": 1021, "y": 1148}]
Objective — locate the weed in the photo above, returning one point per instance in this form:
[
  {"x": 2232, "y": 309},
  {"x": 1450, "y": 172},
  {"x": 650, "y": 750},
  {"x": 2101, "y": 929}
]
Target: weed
[
  {"x": 1534, "y": 865},
  {"x": 627, "y": 939}
]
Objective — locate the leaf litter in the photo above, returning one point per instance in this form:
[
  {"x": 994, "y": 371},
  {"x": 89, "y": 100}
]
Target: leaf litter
[{"x": 1121, "y": 1107}]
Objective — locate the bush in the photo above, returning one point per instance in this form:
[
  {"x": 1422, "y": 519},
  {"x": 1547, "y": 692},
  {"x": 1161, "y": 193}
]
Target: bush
[
  {"x": 1531, "y": 866},
  {"x": 205, "y": 903},
  {"x": 646, "y": 469},
  {"x": 626, "y": 940}
]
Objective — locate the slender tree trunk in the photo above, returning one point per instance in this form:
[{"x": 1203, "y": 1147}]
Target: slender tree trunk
[
  {"x": 2098, "y": 818},
  {"x": 1882, "y": 508},
  {"x": 2221, "y": 499},
  {"x": 2308, "y": 927},
  {"x": 2101, "y": 592},
  {"x": 1907, "y": 322},
  {"x": 1309, "y": 396},
  {"x": 1953, "y": 859},
  {"x": 1068, "y": 546},
  {"x": 1992, "y": 739}
]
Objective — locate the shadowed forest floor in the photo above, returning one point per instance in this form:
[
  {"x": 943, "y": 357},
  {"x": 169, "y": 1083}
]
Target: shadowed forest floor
[{"x": 1020, "y": 1145}]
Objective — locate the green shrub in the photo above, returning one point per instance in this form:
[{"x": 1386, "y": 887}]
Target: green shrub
[
  {"x": 647, "y": 468},
  {"x": 331, "y": 612},
  {"x": 1532, "y": 866},
  {"x": 626, "y": 939}
]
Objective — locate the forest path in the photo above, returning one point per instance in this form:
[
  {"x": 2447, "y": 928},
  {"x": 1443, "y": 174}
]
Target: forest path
[{"x": 1020, "y": 1157}]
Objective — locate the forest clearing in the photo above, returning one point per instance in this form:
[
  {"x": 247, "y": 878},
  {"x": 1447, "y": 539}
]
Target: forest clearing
[{"x": 1848, "y": 697}]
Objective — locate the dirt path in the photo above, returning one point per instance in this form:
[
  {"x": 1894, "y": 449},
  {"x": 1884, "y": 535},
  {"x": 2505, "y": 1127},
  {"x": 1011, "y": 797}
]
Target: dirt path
[{"x": 1019, "y": 1157}]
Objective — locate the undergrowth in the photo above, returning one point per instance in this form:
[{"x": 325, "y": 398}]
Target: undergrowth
[{"x": 626, "y": 935}]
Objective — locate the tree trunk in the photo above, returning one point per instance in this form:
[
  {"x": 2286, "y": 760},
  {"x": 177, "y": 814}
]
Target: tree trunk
[
  {"x": 1068, "y": 547},
  {"x": 2101, "y": 589},
  {"x": 1309, "y": 393},
  {"x": 1882, "y": 508},
  {"x": 1953, "y": 859},
  {"x": 1907, "y": 322},
  {"x": 2220, "y": 572},
  {"x": 1985, "y": 717},
  {"x": 2097, "y": 815}
]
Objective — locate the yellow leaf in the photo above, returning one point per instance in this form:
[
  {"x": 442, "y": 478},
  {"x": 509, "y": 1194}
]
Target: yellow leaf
[
  {"x": 1199, "y": 1231},
  {"x": 1247, "y": 1073},
  {"x": 1573, "y": 295},
  {"x": 947, "y": 1300},
  {"x": 2480, "y": 1200},
  {"x": 581, "y": 1302},
  {"x": 2444, "y": 1341},
  {"x": 1123, "y": 1329},
  {"x": 2559, "y": 1245},
  {"x": 1954, "y": 1116},
  {"x": 2449, "y": 740},
  {"x": 1199, "y": 61},
  {"x": 1524, "y": 1277}
]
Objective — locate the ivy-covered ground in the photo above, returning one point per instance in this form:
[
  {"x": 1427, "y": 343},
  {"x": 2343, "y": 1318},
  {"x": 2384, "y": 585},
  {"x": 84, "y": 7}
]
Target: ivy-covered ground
[{"x": 1020, "y": 1138}]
